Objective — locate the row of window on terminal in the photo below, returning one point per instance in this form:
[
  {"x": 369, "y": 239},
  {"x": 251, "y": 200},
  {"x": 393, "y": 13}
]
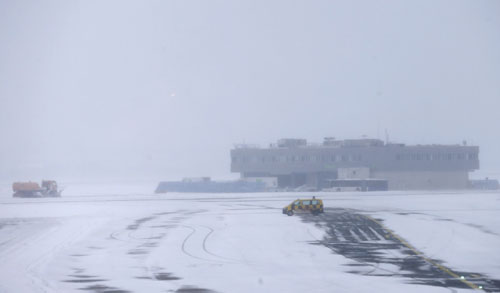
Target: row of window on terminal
[
  {"x": 436, "y": 156},
  {"x": 295, "y": 158},
  {"x": 353, "y": 158}
]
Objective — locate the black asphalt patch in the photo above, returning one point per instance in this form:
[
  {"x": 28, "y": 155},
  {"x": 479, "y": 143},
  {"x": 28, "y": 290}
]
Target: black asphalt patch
[
  {"x": 166, "y": 277},
  {"x": 104, "y": 289},
  {"x": 139, "y": 222},
  {"x": 192, "y": 289},
  {"x": 377, "y": 252}
]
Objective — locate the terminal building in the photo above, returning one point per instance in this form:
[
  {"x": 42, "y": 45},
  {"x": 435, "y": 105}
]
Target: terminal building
[{"x": 362, "y": 164}]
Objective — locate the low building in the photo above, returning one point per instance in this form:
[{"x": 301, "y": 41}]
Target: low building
[
  {"x": 295, "y": 163},
  {"x": 484, "y": 184},
  {"x": 206, "y": 185}
]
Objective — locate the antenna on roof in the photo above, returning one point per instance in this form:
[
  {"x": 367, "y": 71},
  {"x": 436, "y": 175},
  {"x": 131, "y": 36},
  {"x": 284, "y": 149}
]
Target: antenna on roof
[{"x": 378, "y": 129}]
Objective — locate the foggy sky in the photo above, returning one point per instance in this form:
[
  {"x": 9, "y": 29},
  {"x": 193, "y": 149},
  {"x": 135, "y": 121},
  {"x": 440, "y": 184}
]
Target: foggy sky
[{"x": 163, "y": 89}]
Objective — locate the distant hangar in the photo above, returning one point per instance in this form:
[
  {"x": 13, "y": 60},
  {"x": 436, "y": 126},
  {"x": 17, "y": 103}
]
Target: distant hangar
[{"x": 360, "y": 164}]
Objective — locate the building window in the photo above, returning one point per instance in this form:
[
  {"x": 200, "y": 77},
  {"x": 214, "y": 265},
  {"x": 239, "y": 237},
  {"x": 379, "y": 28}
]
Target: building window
[{"x": 472, "y": 156}]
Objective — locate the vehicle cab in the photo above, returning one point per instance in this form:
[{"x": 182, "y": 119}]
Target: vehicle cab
[{"x": 313, "y": 205}]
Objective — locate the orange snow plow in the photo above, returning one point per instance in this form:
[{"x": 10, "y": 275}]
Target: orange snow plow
[{"x": 32, "y": 189}]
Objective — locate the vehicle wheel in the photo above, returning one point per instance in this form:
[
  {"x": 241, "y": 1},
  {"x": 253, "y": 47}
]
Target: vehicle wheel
[{"x": 290, "y": 213}]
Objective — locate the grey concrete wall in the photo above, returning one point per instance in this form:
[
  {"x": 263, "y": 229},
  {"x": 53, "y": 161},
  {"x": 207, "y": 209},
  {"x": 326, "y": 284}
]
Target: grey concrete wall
[
  {"x": 423, "y": 180},
  {"x": 354, "y": 173}
]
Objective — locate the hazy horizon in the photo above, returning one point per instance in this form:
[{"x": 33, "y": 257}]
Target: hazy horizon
[{"x": 164, "y": 89}]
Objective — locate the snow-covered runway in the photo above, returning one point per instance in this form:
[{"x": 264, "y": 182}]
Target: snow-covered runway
[{"x": 117, "y": 239}]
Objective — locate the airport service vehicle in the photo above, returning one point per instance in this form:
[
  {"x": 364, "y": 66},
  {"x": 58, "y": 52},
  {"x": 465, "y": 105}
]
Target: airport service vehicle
[
  {"x": 313, "y": 206},
  {"x": 32, "y": 189}
]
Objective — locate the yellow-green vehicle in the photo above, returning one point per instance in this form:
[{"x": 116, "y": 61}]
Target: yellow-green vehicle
[{"x": 313, "y": 205}]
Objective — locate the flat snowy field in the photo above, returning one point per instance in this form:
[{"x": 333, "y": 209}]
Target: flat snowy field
[{"x": 125, "y": 238}]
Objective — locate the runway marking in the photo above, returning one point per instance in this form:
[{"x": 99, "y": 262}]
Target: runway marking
[
  {"x": 383, "y": 246},
  {"x": 420, "y": 254}
]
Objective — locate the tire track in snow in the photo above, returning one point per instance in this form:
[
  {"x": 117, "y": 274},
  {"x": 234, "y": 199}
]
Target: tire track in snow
[
  {"x": 203, "y": 245},
  {"x": 205, "y": 240},
  {"x": 183, "y": 247}
]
